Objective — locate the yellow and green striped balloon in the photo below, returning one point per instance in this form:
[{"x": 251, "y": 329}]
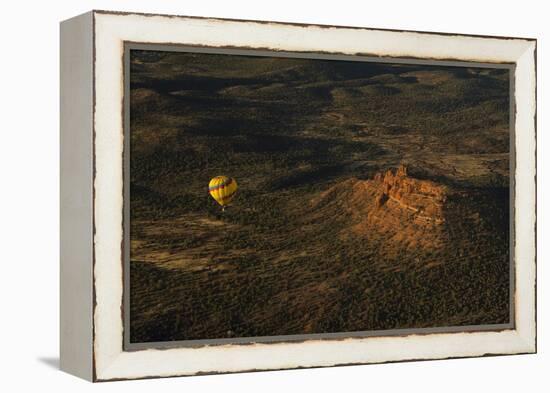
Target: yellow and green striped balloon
[{"x": 222, "y": 189}]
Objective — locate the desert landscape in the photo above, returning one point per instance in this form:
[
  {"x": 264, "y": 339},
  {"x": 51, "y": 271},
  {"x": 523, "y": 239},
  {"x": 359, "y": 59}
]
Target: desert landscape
[{"x": 371, "y": 196}]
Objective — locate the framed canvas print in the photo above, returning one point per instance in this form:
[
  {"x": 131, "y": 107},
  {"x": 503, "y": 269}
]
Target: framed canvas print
[{"x": 245, "y": 195}]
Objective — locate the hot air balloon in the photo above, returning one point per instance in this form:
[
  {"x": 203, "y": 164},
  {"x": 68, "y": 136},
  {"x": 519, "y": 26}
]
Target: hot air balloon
[{"x": 222, "y": 189}]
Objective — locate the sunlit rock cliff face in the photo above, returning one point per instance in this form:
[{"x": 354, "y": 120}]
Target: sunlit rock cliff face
[
  {"x": 422, "y": 198},
  {"x": 396, "y": 210}
]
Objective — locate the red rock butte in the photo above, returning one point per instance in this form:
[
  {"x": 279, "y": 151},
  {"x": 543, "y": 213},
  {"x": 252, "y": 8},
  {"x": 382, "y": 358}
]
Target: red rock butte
[
  {"x": 393, "y": 207},
  {"x": 424, "y": 198}
]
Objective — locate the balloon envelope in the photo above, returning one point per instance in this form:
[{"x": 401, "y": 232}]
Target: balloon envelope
[{"x": 222, "y": 189}]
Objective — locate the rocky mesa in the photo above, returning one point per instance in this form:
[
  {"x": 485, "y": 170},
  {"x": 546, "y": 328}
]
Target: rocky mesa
[
  {"x": 423, "y": 198},
  {"x": 393, "y": 209}
]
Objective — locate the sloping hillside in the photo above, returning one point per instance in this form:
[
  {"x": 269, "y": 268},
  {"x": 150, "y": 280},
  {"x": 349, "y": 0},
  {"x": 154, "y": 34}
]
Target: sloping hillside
[{"x": 402, "y": 214}]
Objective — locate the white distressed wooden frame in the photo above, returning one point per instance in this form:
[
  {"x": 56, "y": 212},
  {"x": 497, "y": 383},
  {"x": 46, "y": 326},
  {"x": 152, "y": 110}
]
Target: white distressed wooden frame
[{"x": 92, "y": 90}]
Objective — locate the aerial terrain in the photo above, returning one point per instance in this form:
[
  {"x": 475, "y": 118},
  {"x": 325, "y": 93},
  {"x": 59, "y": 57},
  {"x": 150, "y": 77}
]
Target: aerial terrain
[{"x": 370, "y": 196}]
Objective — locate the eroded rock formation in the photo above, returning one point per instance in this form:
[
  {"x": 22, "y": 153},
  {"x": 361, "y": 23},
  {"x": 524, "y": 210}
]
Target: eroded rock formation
[
  {"x": 424, "y": 198},
  {"x": 399, "y": 210}
]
